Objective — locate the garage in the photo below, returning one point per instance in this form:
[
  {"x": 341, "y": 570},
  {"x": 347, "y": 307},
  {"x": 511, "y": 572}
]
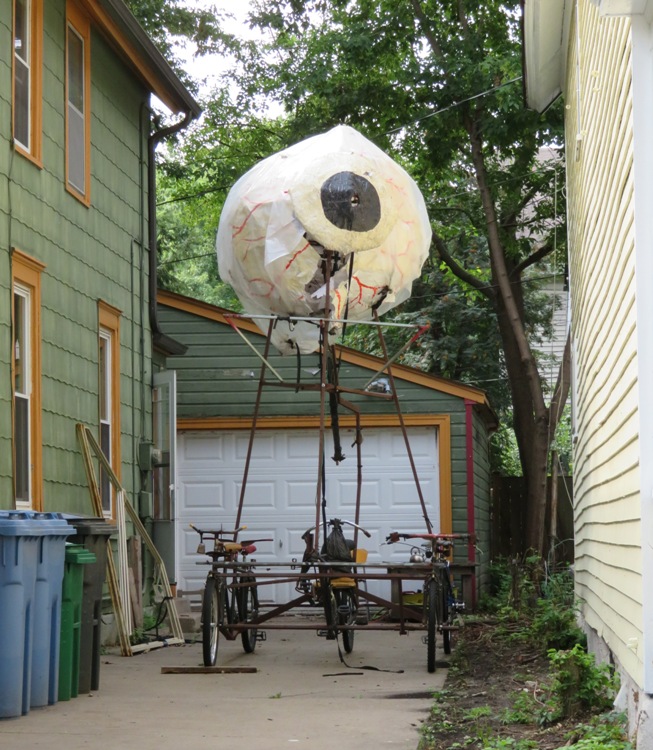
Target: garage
[
  {"x": 280, "y": 495},
  {"x": 448, "y": 425}
]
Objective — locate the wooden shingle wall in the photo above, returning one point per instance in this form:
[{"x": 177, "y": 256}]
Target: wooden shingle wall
[{"x": 90, "y": 254}]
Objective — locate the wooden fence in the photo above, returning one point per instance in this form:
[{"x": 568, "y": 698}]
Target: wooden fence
[{"x": 508, "y": 521}]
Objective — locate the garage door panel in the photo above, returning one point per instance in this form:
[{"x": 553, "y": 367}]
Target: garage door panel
[
  {"x": 300, "y": 495},
  {"x": 263, "y": 449},
  {"x": 203, "y": 495},
  {"x": 403, "y": 492},
  {"x": 422, "y": 450},
  {"x": 260, "y": 494},
  {"x": 302, "y": 447},
  {"x": 201, "y": 448}
]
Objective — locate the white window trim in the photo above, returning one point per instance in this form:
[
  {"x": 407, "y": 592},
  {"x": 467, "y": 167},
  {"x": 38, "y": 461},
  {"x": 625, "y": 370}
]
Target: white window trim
[
  {"x": 106, "y": 336},
  {"x": 25, "y": 293}
]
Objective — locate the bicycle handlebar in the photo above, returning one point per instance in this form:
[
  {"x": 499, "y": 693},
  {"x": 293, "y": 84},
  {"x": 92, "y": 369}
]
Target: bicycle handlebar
[
  {"x": 217, "y": 534},
  {"x": 335, "y": 521},
  {"x": 395, "y": 536}
]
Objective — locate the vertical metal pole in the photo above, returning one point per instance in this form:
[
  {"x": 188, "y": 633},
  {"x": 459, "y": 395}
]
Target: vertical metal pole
[
  {"x": 359, "y": 477},
  {"x": 320, "y": 449},
  {"x": 395, "y": 398},
  {"x": 257, "y": 406},
  {"x": 324, "y": 353}
]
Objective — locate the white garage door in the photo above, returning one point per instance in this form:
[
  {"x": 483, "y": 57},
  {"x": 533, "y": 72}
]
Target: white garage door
[{"x": 280, "y": 496}]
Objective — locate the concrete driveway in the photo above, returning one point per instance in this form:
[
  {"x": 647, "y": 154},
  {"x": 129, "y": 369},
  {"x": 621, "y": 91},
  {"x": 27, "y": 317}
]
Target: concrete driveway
[{"x": 301, "y": 696}]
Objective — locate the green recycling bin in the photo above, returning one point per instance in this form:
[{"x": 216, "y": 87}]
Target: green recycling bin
[
  {"x": 77, "y": 557},
  {"x": 93, "y": 534}
]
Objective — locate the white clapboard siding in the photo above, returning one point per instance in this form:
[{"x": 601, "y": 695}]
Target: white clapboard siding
[{"x": 602, "y": 268}]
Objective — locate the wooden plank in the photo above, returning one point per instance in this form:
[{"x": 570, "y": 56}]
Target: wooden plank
[
  {"x": 143, "y": 648},
  {"x": 112, "y": 574},
  {"x": 123, "y": 506},
  {"x": 209, "y": 670},
  {"x": 135, "y": 583}
]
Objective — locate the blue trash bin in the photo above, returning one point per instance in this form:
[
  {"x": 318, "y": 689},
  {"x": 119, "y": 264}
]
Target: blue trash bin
[{"x": 30, "y": 608}]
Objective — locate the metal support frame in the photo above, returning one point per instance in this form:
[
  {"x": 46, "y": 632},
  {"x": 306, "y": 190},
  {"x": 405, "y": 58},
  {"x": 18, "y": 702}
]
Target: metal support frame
[{"x": 406, "y": 615}]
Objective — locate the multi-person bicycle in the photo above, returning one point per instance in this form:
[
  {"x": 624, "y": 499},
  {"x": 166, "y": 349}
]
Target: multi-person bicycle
[{"x": 331, "y": 580}]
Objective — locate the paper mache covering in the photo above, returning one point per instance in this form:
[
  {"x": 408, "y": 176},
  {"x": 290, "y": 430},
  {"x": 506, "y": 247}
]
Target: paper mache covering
[{"x": 336, "y": 191}]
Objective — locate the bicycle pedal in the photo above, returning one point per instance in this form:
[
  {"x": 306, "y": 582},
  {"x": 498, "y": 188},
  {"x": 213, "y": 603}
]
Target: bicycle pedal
[
  {"x": 261, "y": 635},
  {"x": 425, "y": 640},
  {"x": 323, "y": 633},
  {"x": 343, "y": 609}
]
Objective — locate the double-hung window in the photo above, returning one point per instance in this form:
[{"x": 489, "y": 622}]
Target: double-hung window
[
  {"x": 26, "y": 380},
  {"x": 78, "y": 103},
  {"x": 27, "y": 62}
]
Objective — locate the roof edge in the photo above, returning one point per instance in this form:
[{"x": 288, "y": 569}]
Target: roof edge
[
  {"x": 543, "y": 52},
  {"x": 352, "y": 356},
  {"x": 120, "y": 25}
]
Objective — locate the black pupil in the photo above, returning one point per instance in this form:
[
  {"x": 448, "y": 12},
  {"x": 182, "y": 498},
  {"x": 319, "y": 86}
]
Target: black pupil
[{"x": 349, "y": 201}]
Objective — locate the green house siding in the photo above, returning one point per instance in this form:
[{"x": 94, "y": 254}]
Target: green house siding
[
  {"x": 90, "y": 254},
  {"x": 218, "y": 377}
]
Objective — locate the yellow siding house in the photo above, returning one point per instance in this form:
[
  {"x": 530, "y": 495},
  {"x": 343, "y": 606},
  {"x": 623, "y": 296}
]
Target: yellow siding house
[{"x": 598, "y": 54}]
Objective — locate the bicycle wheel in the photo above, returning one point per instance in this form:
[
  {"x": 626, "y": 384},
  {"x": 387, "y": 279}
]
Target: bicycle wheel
[
  {"x": 431, "y": 622},
  {"x": 248, "y": 608},
  {"x": 212, "y": 612},
  {"x": 346, "y": 602}
]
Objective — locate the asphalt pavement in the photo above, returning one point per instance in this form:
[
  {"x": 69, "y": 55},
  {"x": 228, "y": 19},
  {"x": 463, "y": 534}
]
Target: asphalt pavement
[{"x": 300, "y": 696}]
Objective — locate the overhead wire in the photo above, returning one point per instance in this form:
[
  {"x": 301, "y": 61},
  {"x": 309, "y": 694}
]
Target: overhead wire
[{"x": 492, "y": 90}]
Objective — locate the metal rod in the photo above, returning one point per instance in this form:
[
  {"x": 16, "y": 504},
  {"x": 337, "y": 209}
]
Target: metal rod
[
  {"x": 321, "y": 625},
  {"x": 329, "y": 387},
  {"x": 397, "y": 354},
  {"x": 262, "y": 357},
  {"x": 250, "y": 445},
  {"x": 295, "y": 318},
  {"x": 402, "y": 424}
]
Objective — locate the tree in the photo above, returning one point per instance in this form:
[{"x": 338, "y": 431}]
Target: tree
[
  {"x": 178, "y": 30},
  {"x": 435, "y": 82},
  {"x": 194, "y": 179}
]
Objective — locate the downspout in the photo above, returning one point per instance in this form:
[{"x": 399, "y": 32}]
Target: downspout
[
  {"x": 471, "y": 510},
  {"x": 169, "y": 345}
]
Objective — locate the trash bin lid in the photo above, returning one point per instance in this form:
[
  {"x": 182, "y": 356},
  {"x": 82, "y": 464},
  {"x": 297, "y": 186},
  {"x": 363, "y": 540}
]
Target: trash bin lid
[
  {"x": 90, "y": 525},
  {"x": 77, "y": 553},
  {"x": 33, "y": 523}
]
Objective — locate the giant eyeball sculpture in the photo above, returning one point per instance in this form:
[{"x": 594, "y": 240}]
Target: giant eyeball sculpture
[{"x": 328, "y": 228}]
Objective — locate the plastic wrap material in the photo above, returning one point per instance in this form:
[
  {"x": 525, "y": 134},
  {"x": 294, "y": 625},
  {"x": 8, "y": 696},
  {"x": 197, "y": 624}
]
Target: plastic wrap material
[{"x": 337, "y": 192}]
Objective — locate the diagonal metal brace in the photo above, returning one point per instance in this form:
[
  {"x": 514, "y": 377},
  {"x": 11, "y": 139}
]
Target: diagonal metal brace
[{"x": 254, "y": 349}]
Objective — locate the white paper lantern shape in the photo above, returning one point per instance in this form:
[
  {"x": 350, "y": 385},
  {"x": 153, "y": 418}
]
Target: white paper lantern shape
[{"x": 333, "y": 192}]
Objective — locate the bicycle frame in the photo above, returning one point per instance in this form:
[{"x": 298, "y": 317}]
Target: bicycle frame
[
  {"x": 439, "y": 601},
  {"x": 336, "y": 594}
]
